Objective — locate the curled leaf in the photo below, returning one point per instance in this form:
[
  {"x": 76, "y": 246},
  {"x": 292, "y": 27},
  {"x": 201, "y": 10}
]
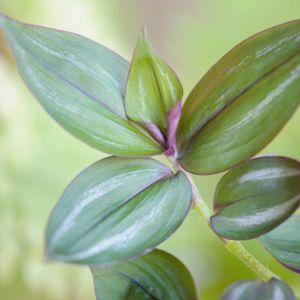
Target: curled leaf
[{"x": 153, "y": 89}]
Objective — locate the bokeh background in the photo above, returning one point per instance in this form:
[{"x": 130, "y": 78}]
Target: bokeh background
[{"x": 38, "y": 158}]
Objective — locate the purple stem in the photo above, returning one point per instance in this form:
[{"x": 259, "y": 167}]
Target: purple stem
[
  {"x": 173, "y": 119},
  {"x": 156, "y": 133}
]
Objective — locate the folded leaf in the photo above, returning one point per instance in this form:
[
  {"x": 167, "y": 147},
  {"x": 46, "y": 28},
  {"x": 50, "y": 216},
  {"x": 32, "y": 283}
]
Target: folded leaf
[
  {"x": 80, "y": 84},
  {"x": 259, "y": 290},
  {"x": 152, "y": 87},
  {"x": 117, "y": 209},
  {"x": 255, "y": 197},
  {"x": 157, "y": 275},
  {"x": 284, "y": 243},
  {"x": 242, "y": 102}
]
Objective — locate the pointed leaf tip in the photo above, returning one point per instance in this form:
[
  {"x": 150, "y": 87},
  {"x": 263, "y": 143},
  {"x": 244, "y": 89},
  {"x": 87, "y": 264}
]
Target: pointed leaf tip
[
  {"x": 83, "y": 91},
  {"x": 144, "y": 36},
  {"x": 152, "y": 86}
]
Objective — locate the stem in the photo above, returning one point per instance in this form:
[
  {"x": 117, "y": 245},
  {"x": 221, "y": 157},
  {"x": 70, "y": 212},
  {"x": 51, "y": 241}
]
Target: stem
[
  {"x": 250, "y": 261},
  {"x": 199, "y": 205},
  {"x": 234, "y": 247}
]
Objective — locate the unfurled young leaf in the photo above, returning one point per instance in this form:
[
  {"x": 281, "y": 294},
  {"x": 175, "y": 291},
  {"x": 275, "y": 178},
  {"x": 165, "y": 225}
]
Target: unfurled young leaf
[
  {"x": 153, "y": 89},
  {"x": 284, "y": 243},
  {"x": 242, "y": 102},
  {"x": 157, "y": 275},
  {"x": 258, "y": 290},
  {"x": 80, "y": 84},
  {"x": 116, "y": 209},
  {"x": 255, "y": 197}
]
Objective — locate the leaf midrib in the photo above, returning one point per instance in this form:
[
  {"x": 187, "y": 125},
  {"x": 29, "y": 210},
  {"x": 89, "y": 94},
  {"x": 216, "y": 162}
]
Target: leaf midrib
[
  {"x": 132, "y": 280},
  {"x": 199, "y": 130},
  {"x": 119, "y": 207},
  {"x": 70, "y": 83}
]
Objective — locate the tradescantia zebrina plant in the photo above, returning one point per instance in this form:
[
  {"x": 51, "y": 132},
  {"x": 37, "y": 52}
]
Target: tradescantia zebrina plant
[{"x": 114, "y": 214}]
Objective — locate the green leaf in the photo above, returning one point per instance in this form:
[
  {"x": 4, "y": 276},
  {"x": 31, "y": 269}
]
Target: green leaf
[
  {"x": 80, "y": 84},
  {"x": 255, "y": 197},
  {"x": 116, "y": 209},
  {"x": 157, "y": 275},
  {"x": 152, "y": 87},
  {"x": 259, "y": 290},
  {"x": 243, "y": 101},
  {"x": 284, "y": 243}
]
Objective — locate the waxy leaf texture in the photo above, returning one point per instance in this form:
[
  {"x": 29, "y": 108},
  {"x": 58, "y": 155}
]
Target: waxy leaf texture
[
  {"x": 80, "y": 84},
  {"x": 258, "y": 290},
  {"x": 243, "y": 101},
  {"x": 284, "y": 243},
  {"x": 256, "y": 196},
  {"x": 152, "y": 87},
  {"x": 157, "y": 275},
  {"x": 116, "y": 209}
]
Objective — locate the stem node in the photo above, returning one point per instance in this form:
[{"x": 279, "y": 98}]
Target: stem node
[{"x": 235, "y": 247}]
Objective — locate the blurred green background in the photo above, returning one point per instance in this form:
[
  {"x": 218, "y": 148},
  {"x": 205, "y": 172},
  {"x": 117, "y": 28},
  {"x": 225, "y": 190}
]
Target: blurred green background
[{"x": 38, "y": 158}]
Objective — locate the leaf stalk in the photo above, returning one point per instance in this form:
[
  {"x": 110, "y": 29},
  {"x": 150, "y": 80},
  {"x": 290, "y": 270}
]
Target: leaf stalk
[{"x": 235, "y": 247}]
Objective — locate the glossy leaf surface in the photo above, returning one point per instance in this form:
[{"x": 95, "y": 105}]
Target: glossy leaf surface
[
  {"x": 116, "y": 209},
  {"x": 284, "y": 243},
  {"x": 157, "y": 275},
  {"x": 258, "y": 290},
  {"x": 242, "y": 102},
  {"x": 152, "y": 87},
  {"x": 80, "y": 84},
  {"x": 255, "y": 197}
]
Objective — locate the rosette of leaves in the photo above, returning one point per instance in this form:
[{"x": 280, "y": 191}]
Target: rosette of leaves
[{"x": 113, "y": 215}]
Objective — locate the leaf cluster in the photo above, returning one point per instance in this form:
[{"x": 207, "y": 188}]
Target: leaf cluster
[{"x": 114, "y": 214}]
